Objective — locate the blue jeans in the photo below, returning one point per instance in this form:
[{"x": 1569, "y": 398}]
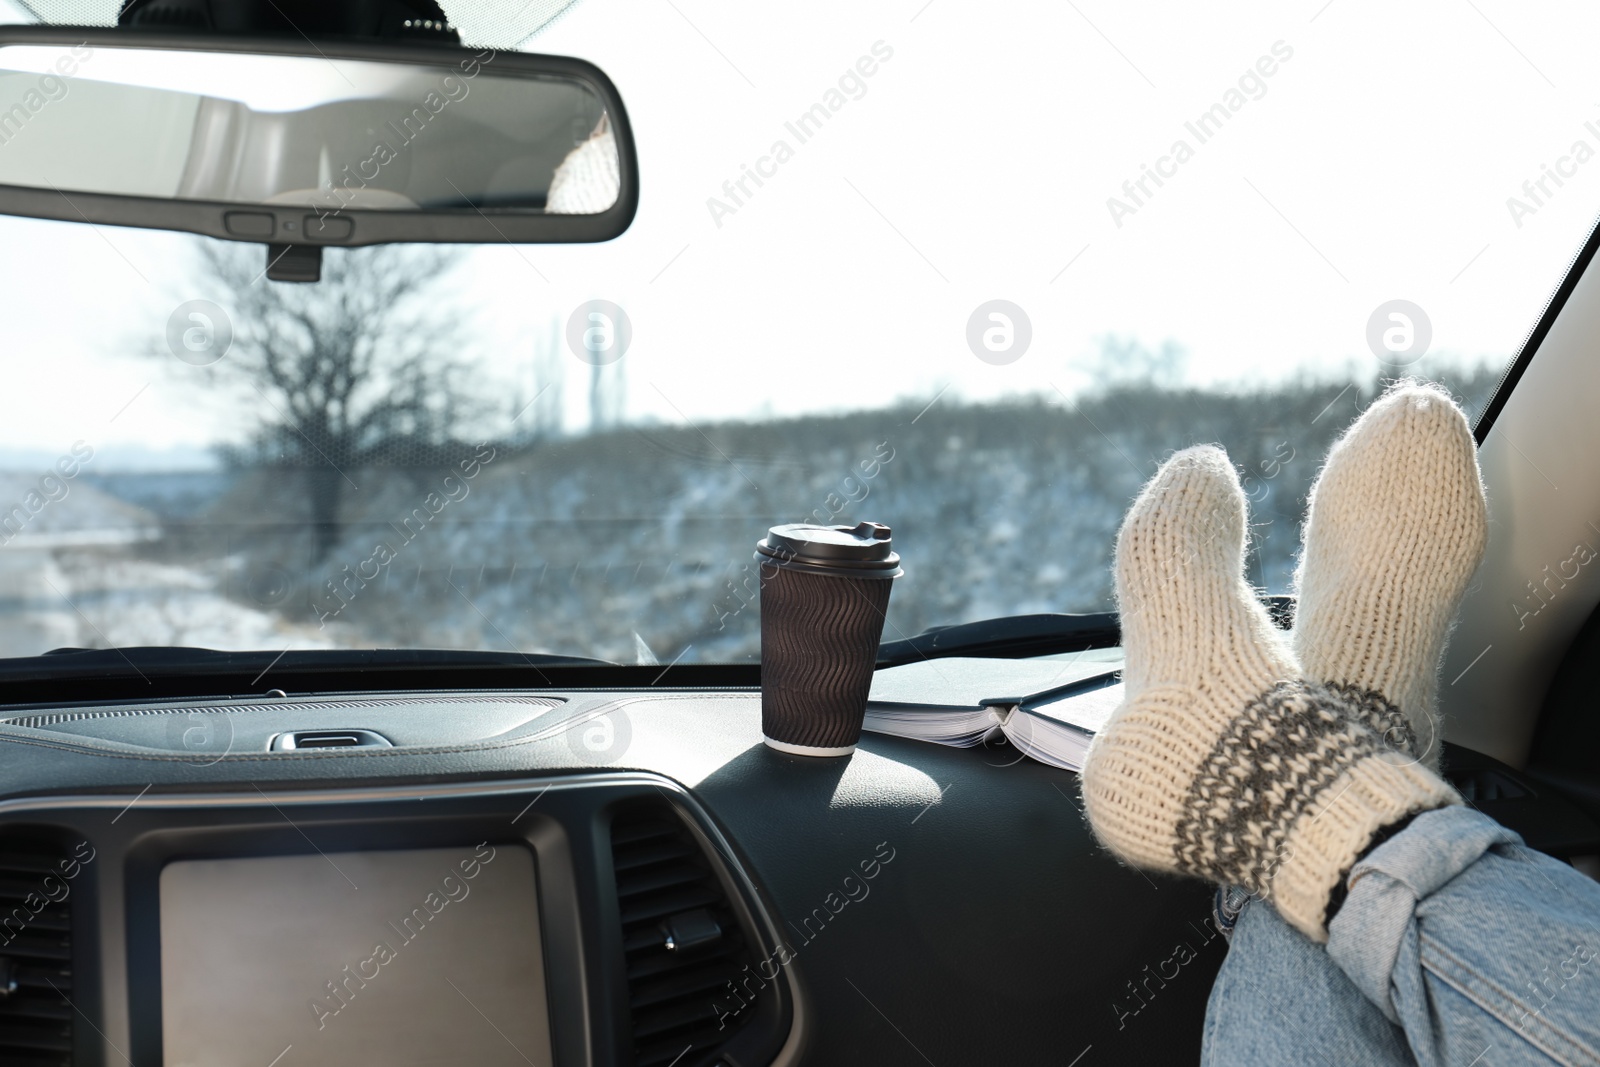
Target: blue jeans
[{"x": 1457, "y": 947}]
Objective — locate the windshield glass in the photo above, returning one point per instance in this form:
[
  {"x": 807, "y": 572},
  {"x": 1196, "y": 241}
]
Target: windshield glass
[{"x": 969, "y": 276}]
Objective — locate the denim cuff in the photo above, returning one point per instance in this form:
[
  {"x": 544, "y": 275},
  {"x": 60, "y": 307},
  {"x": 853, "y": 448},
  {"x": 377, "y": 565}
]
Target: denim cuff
[{"x": 1365, "y": 936}]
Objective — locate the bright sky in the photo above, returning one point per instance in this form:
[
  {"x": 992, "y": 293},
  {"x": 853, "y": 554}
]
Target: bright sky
[{"x": 977, "y": 166}]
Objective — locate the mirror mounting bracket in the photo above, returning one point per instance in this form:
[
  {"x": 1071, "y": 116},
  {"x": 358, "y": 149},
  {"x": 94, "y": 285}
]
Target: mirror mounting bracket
[{"x": 294, "y": 263}]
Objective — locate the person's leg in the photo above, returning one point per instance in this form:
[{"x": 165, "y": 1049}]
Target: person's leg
[
  {"x": 1478, "y": 948},
  {"x": 1449, "y": 925},
  {"x": 1222, "y": 763},
  {"x": 1457, "y": 947},
  {"x": 1484, "y": 951},
  {"x": 1278, "y": 999}
]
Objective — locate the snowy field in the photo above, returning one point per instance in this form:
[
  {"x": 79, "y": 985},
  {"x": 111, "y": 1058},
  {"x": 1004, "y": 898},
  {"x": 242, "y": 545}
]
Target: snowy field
[{"x": 636, "y": 544}]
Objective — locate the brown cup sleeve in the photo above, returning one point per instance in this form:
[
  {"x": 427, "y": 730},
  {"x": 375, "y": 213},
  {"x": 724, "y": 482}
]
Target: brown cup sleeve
[{"x": 819, "y": 644}]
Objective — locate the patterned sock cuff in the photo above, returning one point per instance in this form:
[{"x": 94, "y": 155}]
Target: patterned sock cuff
[
  {"x": 1378, "y": 714},
  {"x": 1290, "y": 793},
  {"x": 1275, "y": 758},
  {"x": 1375, "y": 792}
]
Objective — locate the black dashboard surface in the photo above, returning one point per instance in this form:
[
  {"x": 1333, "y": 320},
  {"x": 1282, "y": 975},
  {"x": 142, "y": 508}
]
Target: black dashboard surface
[{"x": 998, "y": 932}]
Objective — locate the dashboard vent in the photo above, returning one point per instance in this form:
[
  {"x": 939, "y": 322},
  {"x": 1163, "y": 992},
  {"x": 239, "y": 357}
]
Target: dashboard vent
[
  {"x": 36, "y": 1012},
  {"x": 682, "y": 941}
]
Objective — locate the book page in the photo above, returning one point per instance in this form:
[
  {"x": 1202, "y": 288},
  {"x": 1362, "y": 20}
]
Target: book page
[
  {"x": 961, "y": 681},
  {"x": 1084, "y": 711},
  {"x": 958, "y": 727}
]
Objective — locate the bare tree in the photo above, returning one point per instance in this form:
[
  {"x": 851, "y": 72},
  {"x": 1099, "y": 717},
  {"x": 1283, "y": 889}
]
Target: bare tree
[{"x": 355, "y": 371}]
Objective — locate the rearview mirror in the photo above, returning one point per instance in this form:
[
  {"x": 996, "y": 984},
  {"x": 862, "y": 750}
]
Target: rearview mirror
[{"x": 288, "y": 143}]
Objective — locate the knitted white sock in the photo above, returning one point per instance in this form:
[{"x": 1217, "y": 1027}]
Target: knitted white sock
[
  {"x": 1221, "y": 762},
  {"x": 1395, "y": 528}
]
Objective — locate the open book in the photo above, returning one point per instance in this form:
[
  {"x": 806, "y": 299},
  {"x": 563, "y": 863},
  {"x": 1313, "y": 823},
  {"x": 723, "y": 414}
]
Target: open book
[{"x": 1054, "y": 726}]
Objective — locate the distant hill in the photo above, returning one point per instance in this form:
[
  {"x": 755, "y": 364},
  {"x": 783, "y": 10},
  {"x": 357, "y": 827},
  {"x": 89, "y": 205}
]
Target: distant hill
[{"x": 581, "y": 544}]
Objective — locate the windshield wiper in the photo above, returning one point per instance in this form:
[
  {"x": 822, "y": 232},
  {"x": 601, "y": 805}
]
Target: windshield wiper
[
  {"x": 1008, "y": 637},
  {"x": 1023, "y": 636}
]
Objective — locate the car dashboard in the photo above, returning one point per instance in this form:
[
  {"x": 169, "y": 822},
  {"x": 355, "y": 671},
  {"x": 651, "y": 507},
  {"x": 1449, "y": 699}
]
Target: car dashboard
[
  {"x": 691, "y": 896},
  {"x": 425, "y": 858}
]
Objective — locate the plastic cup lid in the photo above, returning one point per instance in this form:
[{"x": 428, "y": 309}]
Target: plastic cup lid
[{"x": 863, "y": 550}]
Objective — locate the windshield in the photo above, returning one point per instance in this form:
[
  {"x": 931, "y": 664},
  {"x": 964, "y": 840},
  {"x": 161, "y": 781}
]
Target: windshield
[{"x": 970, "y": 277}]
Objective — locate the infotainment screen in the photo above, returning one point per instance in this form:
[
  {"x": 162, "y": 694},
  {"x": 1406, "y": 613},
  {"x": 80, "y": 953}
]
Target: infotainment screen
[{"x": 400, "y": 958}]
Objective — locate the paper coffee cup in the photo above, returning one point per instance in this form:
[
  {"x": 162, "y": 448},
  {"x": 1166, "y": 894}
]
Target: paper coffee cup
[{"x": 824, "y": 594}]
